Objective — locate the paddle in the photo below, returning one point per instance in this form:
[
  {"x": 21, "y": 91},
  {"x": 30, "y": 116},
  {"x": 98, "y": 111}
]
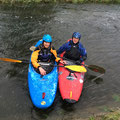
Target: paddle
[
  {"x": 32, "y": 48},
  {"x": 70, "y": 67},
  {"x": 94, "y": 68},
  {"x": 13, "y": 60}
]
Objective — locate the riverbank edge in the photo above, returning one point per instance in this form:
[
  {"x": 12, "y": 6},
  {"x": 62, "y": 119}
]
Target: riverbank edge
[
  {"x": 113, "y": 114},
  {"x": 57, "y": 1}
]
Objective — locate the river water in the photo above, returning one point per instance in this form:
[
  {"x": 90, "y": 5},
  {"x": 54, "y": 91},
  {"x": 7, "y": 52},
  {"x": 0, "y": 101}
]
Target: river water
[{"x": 22, "y": 26}]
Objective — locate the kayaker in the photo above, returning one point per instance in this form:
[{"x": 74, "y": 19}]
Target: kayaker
[
  {"x": 73, "y": 49},
  {"x": 45, "y": 53}
]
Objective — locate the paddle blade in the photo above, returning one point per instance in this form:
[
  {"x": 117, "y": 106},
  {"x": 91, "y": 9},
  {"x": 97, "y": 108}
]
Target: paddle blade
[
  {"x": 76, "y": 68},
  {"x": 96, "y": 68},
  {"x": 10, "y": 60},
  {"x": 32, "y": 48}
]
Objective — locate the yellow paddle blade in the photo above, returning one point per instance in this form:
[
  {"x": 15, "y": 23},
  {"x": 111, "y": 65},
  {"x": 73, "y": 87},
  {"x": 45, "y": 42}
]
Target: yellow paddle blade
[
  {"x": 76, "y": 68},
  {"x": 10, "y": 60}
]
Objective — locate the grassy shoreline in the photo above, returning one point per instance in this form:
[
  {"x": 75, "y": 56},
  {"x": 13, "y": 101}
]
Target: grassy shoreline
[
  {"x": 57, "y": 1},
  {"x": 114, "y": 114}
]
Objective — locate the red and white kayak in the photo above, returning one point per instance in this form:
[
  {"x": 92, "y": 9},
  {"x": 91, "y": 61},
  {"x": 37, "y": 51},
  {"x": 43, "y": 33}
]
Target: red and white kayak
[{"x": 70, "y": 84}]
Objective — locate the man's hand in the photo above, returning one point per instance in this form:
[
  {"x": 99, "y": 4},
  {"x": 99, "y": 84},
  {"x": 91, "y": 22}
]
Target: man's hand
[
  {"x": 63, "y": 62},
  {"x": 42, "y": 71},
  {"x": 78, "y": 62}
]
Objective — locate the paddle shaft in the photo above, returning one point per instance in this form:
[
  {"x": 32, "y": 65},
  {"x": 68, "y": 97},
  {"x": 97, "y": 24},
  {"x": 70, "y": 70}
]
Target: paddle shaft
[
  {"x": 94, "y": 68},
  {"x": 73, "y": 61},
  {"x": 25, "y": 61},
  {"x": 70, "y": 67}
]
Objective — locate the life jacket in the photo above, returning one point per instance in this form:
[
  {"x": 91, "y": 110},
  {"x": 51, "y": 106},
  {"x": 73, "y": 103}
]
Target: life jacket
[
  {"x": 73, "y": 53},
  {"x": 44, "y": 54}
]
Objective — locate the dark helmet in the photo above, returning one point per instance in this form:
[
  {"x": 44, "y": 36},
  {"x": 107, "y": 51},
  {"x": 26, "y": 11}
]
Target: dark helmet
[
  {"x": 76, "y": 35},
  {"x": 47, "y": 38}
]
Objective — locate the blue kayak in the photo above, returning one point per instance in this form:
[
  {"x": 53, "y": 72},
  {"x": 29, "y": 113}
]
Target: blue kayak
[{"x": 42, "y": 88}]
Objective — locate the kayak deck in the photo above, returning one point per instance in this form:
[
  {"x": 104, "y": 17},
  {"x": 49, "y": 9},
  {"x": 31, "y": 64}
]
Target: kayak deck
[
  {"x": 70, "y": 84},
  {"x": 42, "y": 89}
]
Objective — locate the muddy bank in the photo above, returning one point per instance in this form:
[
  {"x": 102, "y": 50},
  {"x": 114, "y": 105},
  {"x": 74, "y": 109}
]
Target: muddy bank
[
  {"x": 108, "y": 114},
  {"x": 56, "y": 1},
  {"x": 113, "y": 114}
]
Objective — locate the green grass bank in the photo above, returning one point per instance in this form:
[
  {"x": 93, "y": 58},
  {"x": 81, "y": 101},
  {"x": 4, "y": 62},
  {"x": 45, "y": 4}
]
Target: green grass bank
[
  {"x": 56, "y": 1},
  {"x": 111, "y": 115}
]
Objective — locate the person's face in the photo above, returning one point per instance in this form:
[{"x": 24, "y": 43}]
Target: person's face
[
  {"x": 75, "y": 40},
  {"x": 46, "y": 44}
]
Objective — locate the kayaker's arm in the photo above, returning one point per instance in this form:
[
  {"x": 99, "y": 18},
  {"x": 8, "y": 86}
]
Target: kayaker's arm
[
  {"x": 34, "y": 58},
  {"x": 35, "y": 63},
  {"x": 55, "y": 54},
  {"x": 82, "y": 52},
  {"x": 62, "y": 48},
  {"x": 57, "y": 59}
]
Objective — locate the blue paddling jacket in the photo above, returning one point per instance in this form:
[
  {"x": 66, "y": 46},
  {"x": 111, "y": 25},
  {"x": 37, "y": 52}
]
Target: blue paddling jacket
[{"x": 73, "y": 51}]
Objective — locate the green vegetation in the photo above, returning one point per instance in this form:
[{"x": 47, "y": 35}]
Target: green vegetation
[
  {"x": 92, "y": 118},
  {"x": 107, "y": 109},
  {"x": 111, "y": 116},
  {"x": 116, "y": 97},
  {"x": 109, "y": 113},
  {"x": 54, "y": 1}
]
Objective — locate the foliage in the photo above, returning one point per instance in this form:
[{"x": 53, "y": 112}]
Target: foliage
[
  {"x": 113, "y": 115},
  {"x": 54, "y": 1},
  {"x": 116, "y": 97},
  {"x": 92, "y": 118}
]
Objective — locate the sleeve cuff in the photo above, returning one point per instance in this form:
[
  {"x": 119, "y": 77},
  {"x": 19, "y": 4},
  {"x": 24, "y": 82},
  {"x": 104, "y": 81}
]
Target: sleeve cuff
[
  {"x": 59, "y": 61},
  {"x": 39, "y": 66}
]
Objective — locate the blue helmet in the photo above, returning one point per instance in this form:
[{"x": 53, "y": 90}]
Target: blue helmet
[
  {"x": 76, "y": 35},
  {"x": 47, "y": 38}
]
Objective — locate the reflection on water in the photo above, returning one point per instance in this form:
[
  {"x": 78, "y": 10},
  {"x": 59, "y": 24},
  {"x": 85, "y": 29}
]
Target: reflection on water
[
  {"x": 96, "y": 79},
  {"x": 22, "y": 26}
]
